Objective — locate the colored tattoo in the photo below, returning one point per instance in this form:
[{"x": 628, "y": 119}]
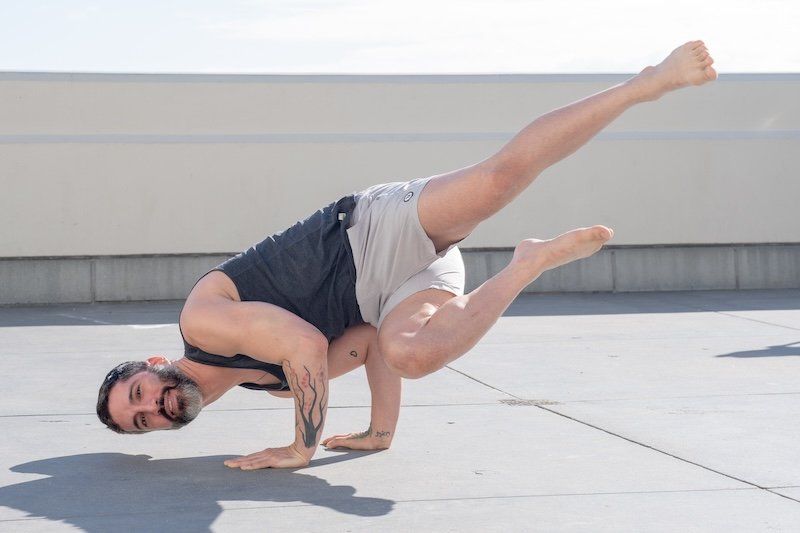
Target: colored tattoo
[
  {"x": 354, "y": 354},
  {"x": 310, "y": 401}
]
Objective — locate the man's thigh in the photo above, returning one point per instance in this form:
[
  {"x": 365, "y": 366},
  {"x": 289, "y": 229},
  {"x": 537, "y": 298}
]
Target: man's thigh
[
  {"x": 454, "y": 203},
  {"x": 402, "y": 324}
]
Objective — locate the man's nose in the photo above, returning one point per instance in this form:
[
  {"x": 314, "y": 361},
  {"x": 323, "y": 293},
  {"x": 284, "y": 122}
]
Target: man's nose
[{"x": 152, "y": 406}]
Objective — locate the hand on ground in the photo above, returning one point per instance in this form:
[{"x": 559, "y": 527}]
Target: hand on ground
[
  {"x": 286, "y": 457},
  {"x": 366, "y": 440}
]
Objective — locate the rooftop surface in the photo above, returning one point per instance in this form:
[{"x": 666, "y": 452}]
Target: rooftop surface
[{"x": 577, "y": 412}]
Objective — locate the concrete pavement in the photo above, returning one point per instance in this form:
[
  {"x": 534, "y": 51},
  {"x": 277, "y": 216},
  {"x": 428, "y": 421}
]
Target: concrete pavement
[{"x": 577, "y": 412}]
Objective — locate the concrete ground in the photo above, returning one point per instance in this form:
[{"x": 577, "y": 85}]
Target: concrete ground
[{"x": 577, "y": 412}]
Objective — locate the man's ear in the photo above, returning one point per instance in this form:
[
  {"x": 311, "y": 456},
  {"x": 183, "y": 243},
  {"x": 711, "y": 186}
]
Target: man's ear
[{"x": 157, "y": 360}]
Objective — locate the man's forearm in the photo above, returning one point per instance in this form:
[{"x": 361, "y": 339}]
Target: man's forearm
[
  {"x": 385, "y": 387},
  {"x": 308, "y": 380}
]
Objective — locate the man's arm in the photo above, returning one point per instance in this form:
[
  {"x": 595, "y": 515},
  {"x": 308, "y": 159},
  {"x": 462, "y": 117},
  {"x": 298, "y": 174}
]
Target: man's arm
[
  {"x": 385, "y": 387},
  {"x": 271, "y": 334}
]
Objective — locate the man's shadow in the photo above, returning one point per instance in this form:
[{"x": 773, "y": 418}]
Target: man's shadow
[
  {"x": 115, "y": 491},
  {"x": 779, "y": 350}
]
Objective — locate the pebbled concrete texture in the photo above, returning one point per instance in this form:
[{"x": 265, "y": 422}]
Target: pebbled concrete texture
[
  {"x": 578, "y": 412},
  {"x": 41, "y": 281},
  {"x": 669, "y": 269},
  {"x": 150, "y": 278},
  {"x": 769, "y": 267}
]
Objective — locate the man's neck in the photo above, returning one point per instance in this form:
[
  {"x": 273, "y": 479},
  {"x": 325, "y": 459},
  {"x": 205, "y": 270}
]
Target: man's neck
[{"x": 213, "y": 381}]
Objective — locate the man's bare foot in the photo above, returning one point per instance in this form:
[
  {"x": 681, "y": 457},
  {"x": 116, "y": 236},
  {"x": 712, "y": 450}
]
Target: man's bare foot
[
  {"x": 689, "y": 64},
  {"x": 534, "y": 256}
]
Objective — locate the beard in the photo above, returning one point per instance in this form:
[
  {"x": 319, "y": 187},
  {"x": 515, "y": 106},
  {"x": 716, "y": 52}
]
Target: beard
[{"x": 187, "y": 394}]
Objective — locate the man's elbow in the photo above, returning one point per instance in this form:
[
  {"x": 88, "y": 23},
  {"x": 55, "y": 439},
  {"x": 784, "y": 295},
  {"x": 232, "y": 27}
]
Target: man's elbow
[{"x": 312, "y": 344}]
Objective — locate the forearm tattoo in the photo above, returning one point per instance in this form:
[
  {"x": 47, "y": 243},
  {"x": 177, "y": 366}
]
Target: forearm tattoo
[
  {"x": 368, "y": 433},
  {"x": 310, "y": 402}
]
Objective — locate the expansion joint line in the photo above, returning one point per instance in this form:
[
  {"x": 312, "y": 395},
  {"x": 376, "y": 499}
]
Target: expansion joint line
[{"x": 632, "y": 441}]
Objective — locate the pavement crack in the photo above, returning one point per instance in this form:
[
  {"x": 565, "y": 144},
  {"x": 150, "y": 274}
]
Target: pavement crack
[
  {"x": 782, "y": 495},
  {"x": 755, "y": 320},
  {"x": 689, "y": 397},
  {"x": 484, "y": 383},
  {"x": 664, "y": 452},
  {"x": 245, "y": 409},
  {"x": 734, "y": 315},
  {"x": 544, "y": 407}
]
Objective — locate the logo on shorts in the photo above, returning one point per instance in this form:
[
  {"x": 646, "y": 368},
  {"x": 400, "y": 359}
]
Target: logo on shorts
[{"x": 408, "y": 197}]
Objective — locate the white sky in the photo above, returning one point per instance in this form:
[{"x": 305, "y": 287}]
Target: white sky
[{"x": 398, "y": 36}]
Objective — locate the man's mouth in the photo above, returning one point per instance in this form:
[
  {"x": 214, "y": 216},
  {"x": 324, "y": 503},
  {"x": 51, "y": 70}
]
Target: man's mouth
[
  {"x": 173, "y": 408},
  {"x": 170, "y": 404}
]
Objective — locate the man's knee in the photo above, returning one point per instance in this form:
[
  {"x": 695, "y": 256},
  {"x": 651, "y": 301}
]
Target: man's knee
[{"x": 405, "y": 359}]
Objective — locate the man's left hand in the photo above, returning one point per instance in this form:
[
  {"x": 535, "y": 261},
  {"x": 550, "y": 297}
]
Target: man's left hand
[
  {"x": 365, "y": 440},
  {"x": 286, "y": 457}
]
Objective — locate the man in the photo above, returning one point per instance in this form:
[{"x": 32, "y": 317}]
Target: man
[{"x": 374, "y": 278}]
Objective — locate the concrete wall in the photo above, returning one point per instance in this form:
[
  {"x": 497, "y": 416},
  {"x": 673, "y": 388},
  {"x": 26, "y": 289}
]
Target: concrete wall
[
  {"x": 97, "y": 168},
  {"x": 619, "y": 269}
]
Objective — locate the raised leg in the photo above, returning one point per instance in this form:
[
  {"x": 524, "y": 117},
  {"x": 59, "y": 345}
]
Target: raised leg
[
  {"x": 452, "y": 204},
  {"x": 432, "y": 328}
]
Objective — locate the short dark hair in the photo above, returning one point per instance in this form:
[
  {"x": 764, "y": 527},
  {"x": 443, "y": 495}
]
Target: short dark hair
[{"x": 118, "y": 373}]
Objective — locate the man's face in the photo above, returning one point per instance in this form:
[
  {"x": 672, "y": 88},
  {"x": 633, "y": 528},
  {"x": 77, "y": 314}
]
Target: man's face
[{"x": 159, "y": 397}]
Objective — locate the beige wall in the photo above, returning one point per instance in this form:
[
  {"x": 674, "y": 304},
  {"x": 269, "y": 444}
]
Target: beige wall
[{"x": 160, "y": 164}]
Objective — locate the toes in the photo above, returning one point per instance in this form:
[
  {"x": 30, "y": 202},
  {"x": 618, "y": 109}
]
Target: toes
[
  {"x": 702, "y": 56},
  {"x": 602, "y": 232},
  {"x": 708, "y": 61},
  {"x": 696, "y": 44},
  {"x": 710, "y": 73}
]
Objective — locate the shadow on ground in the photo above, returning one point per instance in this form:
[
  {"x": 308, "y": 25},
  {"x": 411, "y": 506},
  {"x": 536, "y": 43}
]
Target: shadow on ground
[
  {"x": 778, "y": 350},
  {"x": 115, "y": 491}
]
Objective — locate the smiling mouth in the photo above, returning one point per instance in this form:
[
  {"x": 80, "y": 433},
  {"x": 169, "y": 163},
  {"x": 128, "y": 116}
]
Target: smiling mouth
[{"x": 169, "y": 404}]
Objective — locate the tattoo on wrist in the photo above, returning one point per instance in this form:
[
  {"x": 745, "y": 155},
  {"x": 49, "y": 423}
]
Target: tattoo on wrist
[
  {"x": 364, "y": 434},
  {"x": 308, "y": 404}
]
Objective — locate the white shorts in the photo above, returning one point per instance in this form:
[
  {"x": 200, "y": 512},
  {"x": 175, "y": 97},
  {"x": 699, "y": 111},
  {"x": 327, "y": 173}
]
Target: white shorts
[{"x": 393, "y": 255}]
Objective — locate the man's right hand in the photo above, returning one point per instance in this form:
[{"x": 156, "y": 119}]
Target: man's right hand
[{"x": 286, "y": 457}]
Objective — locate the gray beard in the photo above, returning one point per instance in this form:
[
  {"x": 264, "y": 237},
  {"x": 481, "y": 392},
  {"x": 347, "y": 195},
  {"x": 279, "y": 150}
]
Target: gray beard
[{"x": 190, "y": 399}]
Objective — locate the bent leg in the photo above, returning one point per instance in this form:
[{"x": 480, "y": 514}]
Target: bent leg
[
  {"x": 431, "y": 328},
  {"x": 453, "y": 204}
]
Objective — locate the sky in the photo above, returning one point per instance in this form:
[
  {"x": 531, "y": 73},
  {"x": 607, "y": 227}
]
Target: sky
[{"x": 392, "y": 37}]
